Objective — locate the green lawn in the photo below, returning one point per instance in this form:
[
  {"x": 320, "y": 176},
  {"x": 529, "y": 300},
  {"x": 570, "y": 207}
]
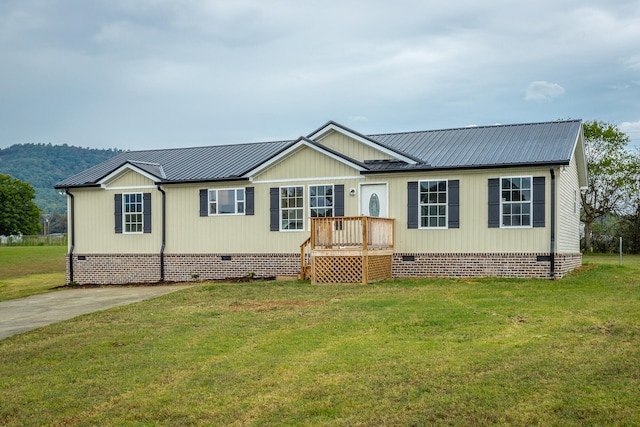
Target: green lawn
[
  {"x": 29, "y": 270},
  {"x": 395, "y": 353}
]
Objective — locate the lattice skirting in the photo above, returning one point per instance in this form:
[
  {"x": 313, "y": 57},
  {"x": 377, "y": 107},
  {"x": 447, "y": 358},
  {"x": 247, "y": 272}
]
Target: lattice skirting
[{"x": 351, "y": 269}]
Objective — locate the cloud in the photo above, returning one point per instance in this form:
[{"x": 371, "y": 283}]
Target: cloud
[
  {"x": 543, "y": 91},
  {"x": 632, "y": 129}
]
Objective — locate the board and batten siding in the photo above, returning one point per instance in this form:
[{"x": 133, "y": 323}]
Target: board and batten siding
[
  {"x": 129, "y": 179},
  {"x": 306, "y": 163},
  {"x": 568, "y": 230},
  {"x": 188, "y": 232},
  {"x": 352, "y": 148},
  {"x": 95, "y": 224},
  {"x": 474, "y": 235}
]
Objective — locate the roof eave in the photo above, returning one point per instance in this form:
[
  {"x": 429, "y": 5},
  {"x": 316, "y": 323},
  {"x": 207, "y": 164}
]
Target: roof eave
[
  {"x": 68, "y": 187},
  {"x": 464, "y": 167},
  {"x": 197, "y": 181}
]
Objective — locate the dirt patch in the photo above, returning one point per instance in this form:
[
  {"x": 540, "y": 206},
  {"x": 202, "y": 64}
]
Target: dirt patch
[
  {"x": 272, "y": 305},
  {"x": 245, "y": 279},
  {"x": 116, "y": 285}
]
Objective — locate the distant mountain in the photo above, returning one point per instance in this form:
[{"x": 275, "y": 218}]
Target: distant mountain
[{"x": 44, "y": 165}]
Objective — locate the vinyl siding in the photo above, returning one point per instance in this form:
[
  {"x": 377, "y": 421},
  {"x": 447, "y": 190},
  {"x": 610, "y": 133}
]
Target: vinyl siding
[
  {"x": 474, "y": 235},
  {"x": 129, "y": 179},
  {"x": 568, "y": 231},
  {"x": 306, "y": 163},
  {"x": 94, "y": 224},
  {"x": 188, "y": 232},
  {"x": 352, "y": 148}
]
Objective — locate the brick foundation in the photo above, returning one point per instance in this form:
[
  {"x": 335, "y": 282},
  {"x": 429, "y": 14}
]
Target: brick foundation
[
  {"x": 111, "y": 269},
  {"x": 145, "y": 268},
  {"x": 466, "y": 265}
]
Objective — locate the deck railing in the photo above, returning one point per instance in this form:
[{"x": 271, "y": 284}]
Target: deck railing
[{"x": 359, "y": 232}]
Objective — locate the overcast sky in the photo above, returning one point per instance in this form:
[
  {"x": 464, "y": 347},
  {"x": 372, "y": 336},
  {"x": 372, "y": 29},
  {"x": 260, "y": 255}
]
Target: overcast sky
[{"x": 138, "y": 74}]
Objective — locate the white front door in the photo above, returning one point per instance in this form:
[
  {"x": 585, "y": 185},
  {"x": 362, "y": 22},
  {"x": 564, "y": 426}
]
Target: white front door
[{"x": 374, "y": 200}]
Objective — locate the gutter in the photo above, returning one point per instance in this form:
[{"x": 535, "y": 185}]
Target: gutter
[
  {"x": 164, "y": 230},
  {"x": 552, "y": 267},
  {"x": 72, "y": 213},
  {"x": 429, "y": 168}
]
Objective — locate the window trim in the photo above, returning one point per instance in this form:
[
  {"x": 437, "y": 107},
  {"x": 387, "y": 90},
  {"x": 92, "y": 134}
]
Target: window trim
[
  {"x": 125, "y": 213},
  {"x": 445, "y": 204},
  {"x": 235, "y": 191},
  {"x": 502, "y": 202},
  {"x": 280, "y": 209}
]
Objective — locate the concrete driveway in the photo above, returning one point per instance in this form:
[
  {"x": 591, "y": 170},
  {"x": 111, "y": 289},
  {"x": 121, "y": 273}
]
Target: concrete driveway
[{"x": 24, "y": 314}]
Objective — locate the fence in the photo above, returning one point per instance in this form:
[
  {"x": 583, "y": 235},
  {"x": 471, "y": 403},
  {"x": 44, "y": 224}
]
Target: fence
[{"x": 49, "y": 240}]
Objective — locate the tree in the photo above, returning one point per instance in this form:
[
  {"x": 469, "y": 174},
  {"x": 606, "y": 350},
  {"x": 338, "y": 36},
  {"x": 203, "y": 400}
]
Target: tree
[
  {"x": 611, "y": 174},
  {"x": 18, "y": 212},
  {"x": 630, "y": 228}
]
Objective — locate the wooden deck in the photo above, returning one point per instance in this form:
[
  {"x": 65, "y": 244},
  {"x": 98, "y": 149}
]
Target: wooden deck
[{"x": 348, "y": 250}]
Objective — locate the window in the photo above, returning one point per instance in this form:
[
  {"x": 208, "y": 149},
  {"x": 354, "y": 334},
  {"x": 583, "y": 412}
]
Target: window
[
  {"x": 132, "y": 209},
  {"x": 292, "y": 208},
  {"x": 516, "y": 201},
  {"x": 321, "y": 201},
  {"x": 229, "y": 201},
  {"x": 433, "y": 204}
]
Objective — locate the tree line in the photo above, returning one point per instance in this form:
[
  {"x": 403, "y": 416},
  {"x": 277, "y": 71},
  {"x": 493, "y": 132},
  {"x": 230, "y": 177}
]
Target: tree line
[{"x": 44, "y": 165}]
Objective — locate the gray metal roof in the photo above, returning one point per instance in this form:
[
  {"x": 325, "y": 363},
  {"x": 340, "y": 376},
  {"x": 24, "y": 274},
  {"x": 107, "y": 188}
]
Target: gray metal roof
[
  {"x": 488, "y": 146},
  {"x": 471, "y": 147},
  {"x": 214, "y": 163}
]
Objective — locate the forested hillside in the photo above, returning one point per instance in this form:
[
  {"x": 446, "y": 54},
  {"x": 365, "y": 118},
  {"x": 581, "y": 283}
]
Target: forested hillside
[{"x": 44, "y": 165}]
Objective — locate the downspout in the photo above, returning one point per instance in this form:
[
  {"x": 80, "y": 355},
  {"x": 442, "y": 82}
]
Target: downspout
[
  {"x": 72, "y": 213},
  {"x": 164, "y": 197},
  {"x": 552, "y": 251}
]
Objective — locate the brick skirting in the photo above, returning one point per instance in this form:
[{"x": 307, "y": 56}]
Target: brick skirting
[
  {"x": 466, "y": 265},
  {"x": 145, "y": 268},
  {"x": 111, "y": 269}
]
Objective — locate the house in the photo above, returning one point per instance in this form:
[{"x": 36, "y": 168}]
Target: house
[{"x": 498, "y": 201}]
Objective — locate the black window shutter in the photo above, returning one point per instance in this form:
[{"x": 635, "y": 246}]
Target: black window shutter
[
  {"x": 538, "y": 201},
  {"x": 204, "y": 201},
  {"x": 118, "y": 212},
  {"x": 146, "y": 208},
  {"x": 494, "y": 203},
  {"x": 274, "y": 209},
  {"x": 249, "y": 207},
  {"x": 454, "y": 203},
  {"x": 412, "y": 204},
  {"x": 338, "y": 200}
]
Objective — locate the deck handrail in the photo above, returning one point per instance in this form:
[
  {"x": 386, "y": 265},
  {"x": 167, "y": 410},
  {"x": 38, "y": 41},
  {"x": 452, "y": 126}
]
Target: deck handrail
[
  {"x": 368, "y": 233},
  {"x": 305, "y": 257}
]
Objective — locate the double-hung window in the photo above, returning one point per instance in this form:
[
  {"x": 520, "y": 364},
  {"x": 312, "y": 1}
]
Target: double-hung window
[
  {"x": 433, "y": 204},
  {"x": 516, "y": 201},
  {"x": 321, "y": 201},
  {"x": 132, "y": 209},
  {"x": 292, "y": 208},
  {"x": 227, "y": 201}
]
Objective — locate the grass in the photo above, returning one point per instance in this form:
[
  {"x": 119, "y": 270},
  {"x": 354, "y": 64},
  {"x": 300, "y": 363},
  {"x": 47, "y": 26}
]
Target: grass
[
  {"x": 396, "y": 353},
  {"x": 29, "y": 270}
]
